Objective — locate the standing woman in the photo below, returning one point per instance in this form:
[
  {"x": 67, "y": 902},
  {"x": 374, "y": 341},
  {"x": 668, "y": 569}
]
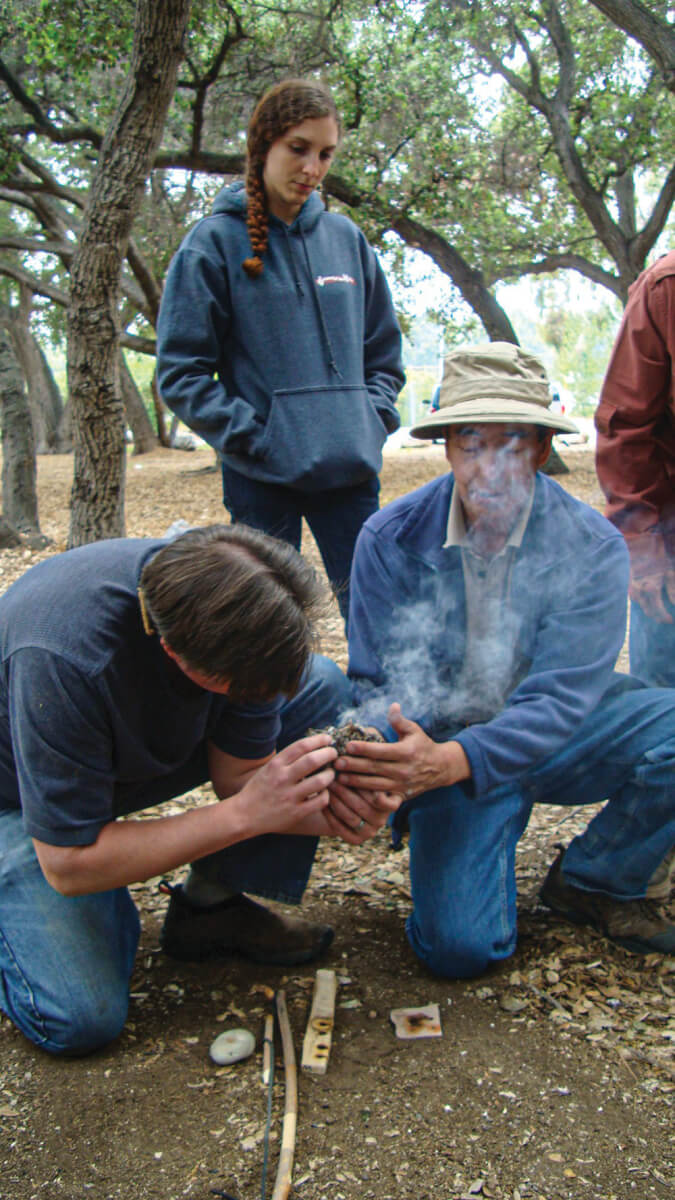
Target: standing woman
[{"x": 278, "y": 342}]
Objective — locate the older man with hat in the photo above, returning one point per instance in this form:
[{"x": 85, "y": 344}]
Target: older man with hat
[{"x": 487, "y": 612}]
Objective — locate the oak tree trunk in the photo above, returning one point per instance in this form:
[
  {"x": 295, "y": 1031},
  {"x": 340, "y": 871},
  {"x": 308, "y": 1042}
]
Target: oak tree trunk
[
  {"x": 127, "y": 152},
  {"x": 44, "y": 399},
  {"x": 19, "y": 493},
  {"x": 145, "y": 438},
  {"x": 161, "y": 412}
]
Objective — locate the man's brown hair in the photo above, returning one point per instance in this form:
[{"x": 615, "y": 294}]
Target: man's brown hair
[
  {"x": 236, "y": 605},
  {"x": 287, "y": 104}
]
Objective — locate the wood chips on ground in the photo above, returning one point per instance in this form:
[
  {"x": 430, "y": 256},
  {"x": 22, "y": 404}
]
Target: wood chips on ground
[{"x": 591, "y": 1011}]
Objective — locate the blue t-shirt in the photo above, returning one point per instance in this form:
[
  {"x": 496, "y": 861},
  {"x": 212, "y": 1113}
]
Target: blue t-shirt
[{"x": 95, "y": 719}]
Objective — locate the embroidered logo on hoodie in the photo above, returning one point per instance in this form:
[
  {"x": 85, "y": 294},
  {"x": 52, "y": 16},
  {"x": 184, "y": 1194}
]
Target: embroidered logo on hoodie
[{"x": 322, "y": 280}]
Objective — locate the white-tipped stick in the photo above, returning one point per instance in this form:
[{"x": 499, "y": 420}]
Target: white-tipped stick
[
  {"x": 268, "y": 1042},
  {"x": 282, "y": 1184}
]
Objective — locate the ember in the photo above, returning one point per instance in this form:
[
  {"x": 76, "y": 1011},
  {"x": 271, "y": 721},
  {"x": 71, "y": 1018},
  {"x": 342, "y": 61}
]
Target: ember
[{"x": 349, "y": 732}]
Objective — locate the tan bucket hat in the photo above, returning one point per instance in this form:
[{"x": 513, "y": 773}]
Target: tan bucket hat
[{"x": 498, "y": 382}]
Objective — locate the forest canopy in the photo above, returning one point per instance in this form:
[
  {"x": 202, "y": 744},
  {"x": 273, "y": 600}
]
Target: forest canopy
[{"x": 502, "y": 140}]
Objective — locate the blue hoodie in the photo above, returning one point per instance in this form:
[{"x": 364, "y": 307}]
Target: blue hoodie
[{"x": 291, "y": 376}]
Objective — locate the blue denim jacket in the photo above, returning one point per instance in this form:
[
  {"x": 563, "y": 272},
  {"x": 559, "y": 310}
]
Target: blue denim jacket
[{"x": 564, "y": 619}]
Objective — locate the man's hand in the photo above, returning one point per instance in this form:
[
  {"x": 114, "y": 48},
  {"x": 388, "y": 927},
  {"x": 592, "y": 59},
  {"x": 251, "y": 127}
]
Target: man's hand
[
  {"x": 356, "y": 816},
  {"x": 291, "y": 787},
  {"x": 649, "y": 591},
  {"x": 408, "y": 767},
  {"x": 286, "y": 790}
]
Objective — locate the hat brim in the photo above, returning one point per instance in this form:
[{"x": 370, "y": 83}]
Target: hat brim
[{"x": 492, "y": 412}]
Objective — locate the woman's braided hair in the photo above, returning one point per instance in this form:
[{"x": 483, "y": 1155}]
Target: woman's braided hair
[{"x": 287, "y": 104}]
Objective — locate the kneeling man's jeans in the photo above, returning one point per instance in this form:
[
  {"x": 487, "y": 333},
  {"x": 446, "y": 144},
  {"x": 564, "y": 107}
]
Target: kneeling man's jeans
[
  {"x": 462, "y": 848},
  {"x": 65, "y": 961}
]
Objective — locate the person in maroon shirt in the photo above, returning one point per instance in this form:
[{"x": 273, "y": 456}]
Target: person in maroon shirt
[{"x": 635, "y": 461}]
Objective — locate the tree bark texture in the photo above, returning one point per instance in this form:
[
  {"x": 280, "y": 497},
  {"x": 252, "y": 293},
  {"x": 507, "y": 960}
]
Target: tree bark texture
[
  {"x": 161, "y": 412},
  {"x": 19, "y": 493},
  {"x": 44, "y": 399},
  {"x": 127, "y": 153}
]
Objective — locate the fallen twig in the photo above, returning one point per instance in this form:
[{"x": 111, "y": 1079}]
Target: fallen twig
[
  {"x": 268, "y": 1079},
  {"x": 282, "y": 1185},
  {"x": 551, "y": 1000}
]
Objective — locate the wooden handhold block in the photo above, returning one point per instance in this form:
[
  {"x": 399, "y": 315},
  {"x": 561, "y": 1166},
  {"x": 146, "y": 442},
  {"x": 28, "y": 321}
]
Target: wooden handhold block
[{"x": 319, "y": 1032}]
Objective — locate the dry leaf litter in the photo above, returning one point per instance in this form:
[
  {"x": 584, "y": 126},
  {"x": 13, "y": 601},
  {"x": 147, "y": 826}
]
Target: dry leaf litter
[{"x": 553, "y": 1080}]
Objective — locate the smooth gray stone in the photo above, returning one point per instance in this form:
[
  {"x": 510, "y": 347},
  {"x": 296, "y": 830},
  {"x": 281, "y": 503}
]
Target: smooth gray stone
[{"x": 231, "y": 1046}]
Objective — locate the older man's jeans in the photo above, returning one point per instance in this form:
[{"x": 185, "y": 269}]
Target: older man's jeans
[
  {"x": 65, "y": 962},
  {"x": 462, "y": 848}
]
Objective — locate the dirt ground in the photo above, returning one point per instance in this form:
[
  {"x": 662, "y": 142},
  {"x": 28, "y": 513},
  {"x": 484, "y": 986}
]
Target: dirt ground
[{"x": 553, "y": 1078}]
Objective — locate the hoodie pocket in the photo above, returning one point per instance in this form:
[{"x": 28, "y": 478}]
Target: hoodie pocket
[{"x": 319, "y": 438}]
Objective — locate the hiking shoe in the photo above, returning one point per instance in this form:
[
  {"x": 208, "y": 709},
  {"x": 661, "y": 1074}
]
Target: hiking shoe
[
  {"x": 637, "y": 925},
  {"x": 238, "y": 926}
]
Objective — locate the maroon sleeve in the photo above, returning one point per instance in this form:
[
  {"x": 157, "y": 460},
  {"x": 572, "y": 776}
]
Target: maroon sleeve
[{"x": 635, "y": 421}]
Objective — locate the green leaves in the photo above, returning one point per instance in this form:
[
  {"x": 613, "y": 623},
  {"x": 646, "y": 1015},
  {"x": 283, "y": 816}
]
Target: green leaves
[
  {"x": 520, "y": 136},
  {"x": 74, "y": 36}
]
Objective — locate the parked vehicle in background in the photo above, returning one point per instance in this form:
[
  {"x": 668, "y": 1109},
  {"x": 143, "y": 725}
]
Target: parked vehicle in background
[
  {"x": 434, "y": 405},
  {"x": 561, "y": 400}
]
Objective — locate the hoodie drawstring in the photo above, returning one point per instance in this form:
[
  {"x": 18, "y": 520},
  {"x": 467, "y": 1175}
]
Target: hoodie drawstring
[
  {"x": 330, "y": 353},
  {"x": 291, "y": 262}
]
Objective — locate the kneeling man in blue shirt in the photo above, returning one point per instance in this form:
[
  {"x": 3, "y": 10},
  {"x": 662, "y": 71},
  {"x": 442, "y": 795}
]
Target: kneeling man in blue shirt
[
  {"x": 131, "y": 671},
  {"x": 487, "y": 612}
]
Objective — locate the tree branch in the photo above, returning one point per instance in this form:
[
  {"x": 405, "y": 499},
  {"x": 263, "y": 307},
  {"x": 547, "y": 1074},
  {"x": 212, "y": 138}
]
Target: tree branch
[
  {"x": 39, "y": 287},
  {"x": 36, "y": 245},
  {"x": 202, "y": 84},
  {"x": 558, "y": 33},
  {"x": 556, "y": 112},
  {"x": 655, "y": 36},
  {"x": 204, "y": 161},
  {"x": 146, "y": 280},
  {"x": 565, "y": 262},
  {"x": 56, "y": 220},
  {"x": 73, "y": 133},
  {"x": 656, "y": 222},
  {"x": 467, "y": 280},
  {"x": 48, "y": 182}
]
